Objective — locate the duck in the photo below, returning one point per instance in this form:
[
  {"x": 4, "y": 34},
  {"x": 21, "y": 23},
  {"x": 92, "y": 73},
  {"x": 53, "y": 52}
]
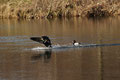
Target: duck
[
  {"x": 75, "y": 43},
  {"x": 43, "y": 40}
]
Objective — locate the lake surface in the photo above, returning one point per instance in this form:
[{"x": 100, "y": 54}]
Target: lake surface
[{"x": 21, "y": 58}]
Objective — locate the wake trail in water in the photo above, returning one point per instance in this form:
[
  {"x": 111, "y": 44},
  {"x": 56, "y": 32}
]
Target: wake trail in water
[{"x": 65, "y": 47}]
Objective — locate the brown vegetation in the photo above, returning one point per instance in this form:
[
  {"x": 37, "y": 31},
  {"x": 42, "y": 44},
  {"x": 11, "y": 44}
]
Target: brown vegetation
[{"x": 35, "y": 9}]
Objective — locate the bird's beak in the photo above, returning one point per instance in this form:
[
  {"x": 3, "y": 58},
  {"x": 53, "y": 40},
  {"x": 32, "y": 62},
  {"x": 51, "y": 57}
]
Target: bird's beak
[{"x": 42, "y": 39}]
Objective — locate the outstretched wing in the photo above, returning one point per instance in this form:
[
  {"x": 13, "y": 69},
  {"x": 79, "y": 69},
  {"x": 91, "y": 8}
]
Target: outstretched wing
[
  {"x": 37, "y": 39},
  {"x": 44, "y": 40}
]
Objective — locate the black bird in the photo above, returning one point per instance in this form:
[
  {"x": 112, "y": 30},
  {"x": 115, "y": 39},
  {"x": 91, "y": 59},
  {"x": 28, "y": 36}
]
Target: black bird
[{"x": 43, "y": 39}]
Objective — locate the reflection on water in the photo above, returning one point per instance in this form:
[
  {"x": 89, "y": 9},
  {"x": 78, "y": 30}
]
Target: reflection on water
[
  {"x": 100, "y": 62},
  {"x": 46, "y": 55}
]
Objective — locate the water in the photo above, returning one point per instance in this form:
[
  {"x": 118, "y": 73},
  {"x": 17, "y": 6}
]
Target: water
[{"x": 97, "y": 58}]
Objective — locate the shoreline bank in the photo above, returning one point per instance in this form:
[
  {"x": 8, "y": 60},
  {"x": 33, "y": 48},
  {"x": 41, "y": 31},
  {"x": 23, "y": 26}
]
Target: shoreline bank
[{"x": 37, "y": 9}]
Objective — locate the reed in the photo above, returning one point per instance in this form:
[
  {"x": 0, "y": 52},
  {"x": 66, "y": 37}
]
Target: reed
[{"x": 36, "y": 9}]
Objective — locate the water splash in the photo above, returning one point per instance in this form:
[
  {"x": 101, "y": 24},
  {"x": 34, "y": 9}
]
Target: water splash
[{"x": 66, "y": 47}]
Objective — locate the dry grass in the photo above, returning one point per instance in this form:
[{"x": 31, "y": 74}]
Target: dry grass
[{"x": 35, "y": 9}]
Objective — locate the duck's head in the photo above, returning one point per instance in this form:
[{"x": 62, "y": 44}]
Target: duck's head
[{"x": 74, "y": 41}]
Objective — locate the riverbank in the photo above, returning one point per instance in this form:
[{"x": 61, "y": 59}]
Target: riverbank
[{"x": 36, "y": 9}]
